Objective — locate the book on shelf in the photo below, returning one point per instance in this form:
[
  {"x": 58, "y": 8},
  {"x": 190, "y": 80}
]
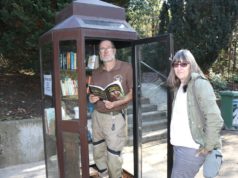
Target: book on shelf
[
  {"x": 111, "y": 92},
  {"x": 72, "y": 60},
  {"x": 68, "y": 60},
  {"x": 69, "y": 86}
]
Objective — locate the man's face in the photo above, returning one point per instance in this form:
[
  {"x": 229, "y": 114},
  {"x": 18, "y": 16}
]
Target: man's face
[{"x": 106, "y": 51}]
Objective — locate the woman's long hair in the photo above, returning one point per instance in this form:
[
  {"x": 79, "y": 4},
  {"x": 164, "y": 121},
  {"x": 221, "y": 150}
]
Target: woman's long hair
[{"x": 182, "y": 55}]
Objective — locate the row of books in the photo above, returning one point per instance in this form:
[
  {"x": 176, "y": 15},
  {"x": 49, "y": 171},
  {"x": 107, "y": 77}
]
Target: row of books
[
  {"x": 69, "y": 87},
  {"x": 68, "y": 60}
]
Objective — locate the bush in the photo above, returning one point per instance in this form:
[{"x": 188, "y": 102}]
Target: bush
[
  {"x": 218, "y": 82},
  {"x": 234, "y": 78}
]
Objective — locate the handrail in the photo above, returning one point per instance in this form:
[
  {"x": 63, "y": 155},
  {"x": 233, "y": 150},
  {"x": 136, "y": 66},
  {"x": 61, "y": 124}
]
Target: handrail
[{"x": 154, "y": 70}]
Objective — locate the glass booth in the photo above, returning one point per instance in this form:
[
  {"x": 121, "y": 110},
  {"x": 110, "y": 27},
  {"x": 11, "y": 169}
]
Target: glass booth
[{"x": 68, "y": 54}]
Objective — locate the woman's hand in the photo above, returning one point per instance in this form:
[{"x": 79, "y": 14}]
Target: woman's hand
[{"x": 202, "y": 152}]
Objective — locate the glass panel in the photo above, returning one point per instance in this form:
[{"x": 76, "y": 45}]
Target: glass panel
[
  {"x": 68, "y": 80},
  {"x": 154, "y": 64},
  {"x": 91, "y": 63},
  {"x": 49, "y": 112},
  {"x": 103, "y": 23},
  {"x": 72, "y": 160},
  {"x": 123, "y": 54}
]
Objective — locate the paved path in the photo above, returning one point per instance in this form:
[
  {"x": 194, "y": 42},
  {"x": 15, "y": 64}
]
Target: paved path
[{"x": 154, "y": 161}]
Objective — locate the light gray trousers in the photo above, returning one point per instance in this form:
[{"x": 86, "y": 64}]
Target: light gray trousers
[
  {"x": 185, "y": 162},
  {"x": 109, "y": 137}
]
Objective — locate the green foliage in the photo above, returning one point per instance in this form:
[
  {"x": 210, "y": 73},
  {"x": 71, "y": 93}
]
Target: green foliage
[
  {"x": 120, "y": 3},
  {"x": 203, "y": 26},
  {"x": 144, "y": 16},
  {"x": 218, "y": 82},
  {"x": 22, "y": 22},
  {"x": 164, "y": 18},
  {"x": 235, "y": 78}
]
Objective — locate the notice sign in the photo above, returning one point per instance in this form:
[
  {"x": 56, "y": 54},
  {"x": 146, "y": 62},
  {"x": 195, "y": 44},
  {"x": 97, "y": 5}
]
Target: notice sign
[{"x": 48, "y": 85}]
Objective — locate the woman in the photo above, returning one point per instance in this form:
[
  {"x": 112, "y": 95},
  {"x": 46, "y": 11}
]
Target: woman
[{"x": 196, "y": 120}]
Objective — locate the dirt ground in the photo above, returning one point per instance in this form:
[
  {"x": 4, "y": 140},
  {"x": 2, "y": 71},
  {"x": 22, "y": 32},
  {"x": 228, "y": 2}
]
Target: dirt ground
[{"x": 19, "y": 97}]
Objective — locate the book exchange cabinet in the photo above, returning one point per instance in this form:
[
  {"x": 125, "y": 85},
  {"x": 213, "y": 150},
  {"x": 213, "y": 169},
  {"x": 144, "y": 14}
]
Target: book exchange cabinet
[{"x": 68, "y": 54}]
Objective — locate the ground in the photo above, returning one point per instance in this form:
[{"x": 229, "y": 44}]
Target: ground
[{"x": 20, "y": 96}]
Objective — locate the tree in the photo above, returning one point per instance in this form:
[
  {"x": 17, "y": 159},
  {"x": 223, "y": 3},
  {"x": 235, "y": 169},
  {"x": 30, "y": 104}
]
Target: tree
[
  {"x": 121, "y": 3},
  {"x": 22, "y": 22},
  {"x": 204, "y": 27},
  {"x": 164, "y": 18},
  {"x": 143, "y": 15}
]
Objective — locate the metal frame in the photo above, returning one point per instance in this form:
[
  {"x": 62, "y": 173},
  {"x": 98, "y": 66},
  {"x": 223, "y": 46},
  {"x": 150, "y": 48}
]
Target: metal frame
[{"x": 137, "y": 117}]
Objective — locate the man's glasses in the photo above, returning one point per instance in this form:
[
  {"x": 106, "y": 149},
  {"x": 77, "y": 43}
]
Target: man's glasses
[
  {"x": 181, "y": 64},
  {"x": 104, "y": 49}
]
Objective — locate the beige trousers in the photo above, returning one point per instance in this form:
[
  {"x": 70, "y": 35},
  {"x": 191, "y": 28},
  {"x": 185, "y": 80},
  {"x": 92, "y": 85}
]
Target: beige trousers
[{"x": 109, "y": 137}]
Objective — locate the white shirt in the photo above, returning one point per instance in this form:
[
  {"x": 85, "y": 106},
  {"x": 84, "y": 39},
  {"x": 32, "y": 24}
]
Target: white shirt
[{"x": 180, "y": 134}]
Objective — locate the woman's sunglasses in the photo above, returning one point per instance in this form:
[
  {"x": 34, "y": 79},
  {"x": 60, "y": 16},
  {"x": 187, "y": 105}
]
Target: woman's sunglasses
[{"x": 181, "y": 64}]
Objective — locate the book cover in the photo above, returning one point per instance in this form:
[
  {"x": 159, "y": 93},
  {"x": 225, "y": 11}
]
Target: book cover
[
  {"x": 69, "y": 87},
  {"x": 111, "y": 92},
  {"x": 64, "y": 61},
  {"x": 68, "y": 60},
  {"x": 75, "y": 60},
  {"x": 72, "y": 67}
]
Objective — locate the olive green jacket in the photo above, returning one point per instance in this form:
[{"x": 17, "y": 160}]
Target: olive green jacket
[{"x": 204, "y": 115}]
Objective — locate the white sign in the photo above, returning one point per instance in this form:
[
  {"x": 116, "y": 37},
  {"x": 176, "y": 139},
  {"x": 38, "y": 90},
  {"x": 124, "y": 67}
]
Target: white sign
[{"x": 48, "y": 85}]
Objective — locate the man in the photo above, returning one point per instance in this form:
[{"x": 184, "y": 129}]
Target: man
[{"x": 109, "y": 122}]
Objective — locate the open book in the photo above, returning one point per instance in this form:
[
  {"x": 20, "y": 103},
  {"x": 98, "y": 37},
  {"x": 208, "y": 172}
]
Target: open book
[{"x": 111, "y": 92}]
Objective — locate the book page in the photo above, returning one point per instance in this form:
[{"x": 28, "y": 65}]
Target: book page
[
  {"x": 111, "y": 92},
  {"x": 97, "y": 91},
  {"x": 114, "y": 91}
]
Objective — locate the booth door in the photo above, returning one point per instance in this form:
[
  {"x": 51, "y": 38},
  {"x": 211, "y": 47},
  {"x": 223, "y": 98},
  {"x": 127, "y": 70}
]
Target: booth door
[{"x": 151, "y": 106}]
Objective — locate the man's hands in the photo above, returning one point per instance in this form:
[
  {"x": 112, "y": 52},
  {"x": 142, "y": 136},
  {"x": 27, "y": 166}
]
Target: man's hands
[
  {"x": 93, "y": 98},
  {"x": 109, "y": 104}
]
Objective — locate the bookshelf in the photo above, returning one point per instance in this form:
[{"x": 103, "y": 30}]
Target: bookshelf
[{"x": 69, "y": 84}]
